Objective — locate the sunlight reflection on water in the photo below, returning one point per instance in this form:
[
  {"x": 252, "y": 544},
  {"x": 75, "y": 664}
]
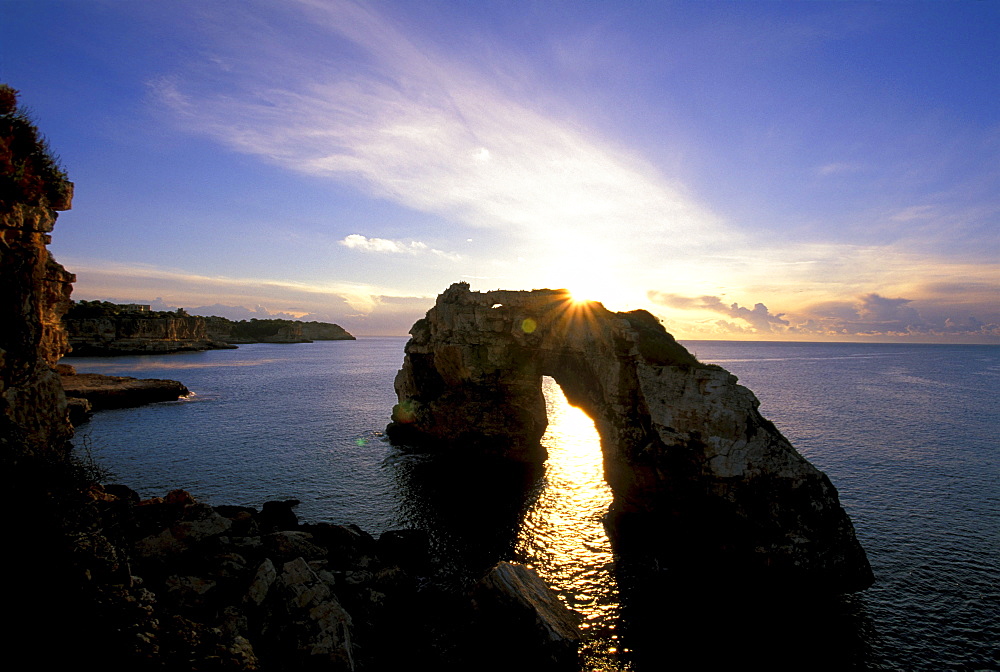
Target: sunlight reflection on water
[{"x": 563, "y": 535}]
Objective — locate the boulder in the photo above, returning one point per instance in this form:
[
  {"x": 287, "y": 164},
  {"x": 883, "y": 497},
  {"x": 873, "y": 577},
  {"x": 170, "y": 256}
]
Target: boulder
[
  {"x": 307, "y": 628},
  {"x": 523, "y": 623}
]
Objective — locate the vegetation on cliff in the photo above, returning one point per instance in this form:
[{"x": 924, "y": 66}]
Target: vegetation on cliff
[
  {"x": 29, "y": 169},
  {"x": 218, "y": 329},
  {"x": 275, "y": 329},
  {"x": 89, "y": 310}
]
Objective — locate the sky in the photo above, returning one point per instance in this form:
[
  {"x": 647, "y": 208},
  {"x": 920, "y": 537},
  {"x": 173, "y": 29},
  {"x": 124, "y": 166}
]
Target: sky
[{"x": 743, "y": 170}]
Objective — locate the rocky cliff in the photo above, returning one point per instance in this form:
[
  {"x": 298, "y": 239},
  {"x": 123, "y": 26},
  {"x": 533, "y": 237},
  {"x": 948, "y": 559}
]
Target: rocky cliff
[
  {"x": 701, "y": 480},
  {"x": 124, "y": 335},
  {"x": 36, "y": 290}
]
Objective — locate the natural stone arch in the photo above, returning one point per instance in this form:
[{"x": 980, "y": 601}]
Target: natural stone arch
[{"x": 699, "y": 477}]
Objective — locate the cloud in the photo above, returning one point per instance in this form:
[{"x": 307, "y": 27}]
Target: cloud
[
  {"x": 875, "y": 309},
  {"x": 759, "y": 318},
  {"x": 356, "y": 241},
  {"x": 402, "y": 121},
  {"x": 868, "y": 315}
]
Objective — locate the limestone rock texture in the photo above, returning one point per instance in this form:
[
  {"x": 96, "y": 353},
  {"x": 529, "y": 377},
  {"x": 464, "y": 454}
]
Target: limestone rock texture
[
  {"x": 702, "y": 482},
  {"x": 36, "y": 291}
]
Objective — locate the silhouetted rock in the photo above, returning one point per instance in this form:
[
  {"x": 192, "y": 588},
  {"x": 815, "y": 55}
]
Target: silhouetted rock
[
  {"x": 278, "y": 515},
  {"x": 523, "y": 625},
  {"x": 701, "y": 480}
]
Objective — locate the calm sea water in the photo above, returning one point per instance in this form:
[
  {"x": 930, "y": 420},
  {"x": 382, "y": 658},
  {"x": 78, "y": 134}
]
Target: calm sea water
[{"x": 907, "y": 433}]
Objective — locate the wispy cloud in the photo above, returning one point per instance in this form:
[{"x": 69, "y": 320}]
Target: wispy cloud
[
  {"x": 838, "y": 168},
  {"x": 410, "y": 124},
  {"x": 912, "y": 213}
]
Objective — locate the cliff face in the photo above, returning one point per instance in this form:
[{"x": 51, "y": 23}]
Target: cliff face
[
  {"x": 36, "y": 290},
  {"x": 137, "y": 335},
  {"x": 700, "y": 478}
]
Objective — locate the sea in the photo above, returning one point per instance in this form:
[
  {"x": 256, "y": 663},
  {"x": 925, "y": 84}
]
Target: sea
[{"x": 907, "y": 433}]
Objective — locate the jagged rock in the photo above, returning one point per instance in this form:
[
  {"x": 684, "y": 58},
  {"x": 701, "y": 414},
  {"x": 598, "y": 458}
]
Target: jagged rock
[
  {"x": 286, "y": 545},
  {"x": 35, "y": 294},
  {"x": 701, "y": 480},
  {"x": 524, "y": 623},
  {"x": 308, "y": 628},
  {"x": 188, "y": 591},
  {"x": 79, "y": 410},
  {"x": 263, "y": 579},
  {"x": 349, "y": 545},
  {"x": 196, "y": 523},
  {"x": 278, "y": 515},
  {"x": 104, "y": 392}
]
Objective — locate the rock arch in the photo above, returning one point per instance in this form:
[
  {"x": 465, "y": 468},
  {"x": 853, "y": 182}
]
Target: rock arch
[{"x": 701, "y": 480}]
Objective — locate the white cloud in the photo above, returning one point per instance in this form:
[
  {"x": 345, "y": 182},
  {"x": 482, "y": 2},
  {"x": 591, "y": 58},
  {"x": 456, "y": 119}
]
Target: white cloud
[{"x": 356, "y": 241}]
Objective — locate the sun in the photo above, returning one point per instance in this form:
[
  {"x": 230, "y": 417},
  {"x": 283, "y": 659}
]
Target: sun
[{"x": 585, "y": 292}]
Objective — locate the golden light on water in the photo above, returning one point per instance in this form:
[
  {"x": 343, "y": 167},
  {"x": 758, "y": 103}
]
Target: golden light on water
[{"x": 563, "y": 534}]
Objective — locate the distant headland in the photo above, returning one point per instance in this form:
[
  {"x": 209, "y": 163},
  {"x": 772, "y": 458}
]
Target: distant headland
[{"x": 102, "y": 328}]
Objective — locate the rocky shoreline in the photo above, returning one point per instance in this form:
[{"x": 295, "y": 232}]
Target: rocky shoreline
[{"x": 185, "y": 585}]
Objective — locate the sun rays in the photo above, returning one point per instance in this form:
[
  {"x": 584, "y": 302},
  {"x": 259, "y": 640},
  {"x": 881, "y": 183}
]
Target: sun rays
[{"x": 571, "y": 312}]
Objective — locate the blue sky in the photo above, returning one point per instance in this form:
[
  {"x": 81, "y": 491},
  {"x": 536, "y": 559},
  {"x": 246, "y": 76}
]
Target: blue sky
[{"x": 766, "y": 170}]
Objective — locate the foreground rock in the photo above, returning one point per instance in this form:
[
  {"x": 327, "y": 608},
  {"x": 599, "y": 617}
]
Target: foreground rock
[
  {"x": 231, "y": 588},
  {"x": 527, "y": 621},
  {"x": 701, "y": 480},
  {"x": 106, "y": 392}
]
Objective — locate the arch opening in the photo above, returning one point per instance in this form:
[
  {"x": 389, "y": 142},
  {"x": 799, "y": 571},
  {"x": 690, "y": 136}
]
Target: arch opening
[{"x": 563, "y": 534}]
